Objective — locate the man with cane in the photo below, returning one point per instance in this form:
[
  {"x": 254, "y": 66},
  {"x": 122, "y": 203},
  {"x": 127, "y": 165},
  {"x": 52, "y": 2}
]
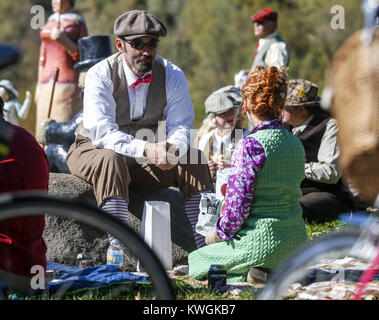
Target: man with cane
[{"x": 59, "y": 50}]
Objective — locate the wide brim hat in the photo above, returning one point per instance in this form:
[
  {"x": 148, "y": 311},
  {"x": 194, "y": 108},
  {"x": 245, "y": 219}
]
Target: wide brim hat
[
  {"x": 223, "y": 99},
  {"x": 302, "y": 93},
  {"x": 92, "y": 49},
  {"x": 9, "y": 86},
  {"x": 138, "y": 23}
]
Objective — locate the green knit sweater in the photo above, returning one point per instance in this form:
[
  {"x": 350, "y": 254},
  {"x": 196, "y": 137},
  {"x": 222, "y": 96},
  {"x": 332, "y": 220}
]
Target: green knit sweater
[{"x": 275, "y": 226}]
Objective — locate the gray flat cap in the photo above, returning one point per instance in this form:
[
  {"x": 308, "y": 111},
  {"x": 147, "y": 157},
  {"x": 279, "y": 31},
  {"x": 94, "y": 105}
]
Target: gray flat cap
[
  {"x": 223, "y": 99},
  {"x": 136, "y": 23}
]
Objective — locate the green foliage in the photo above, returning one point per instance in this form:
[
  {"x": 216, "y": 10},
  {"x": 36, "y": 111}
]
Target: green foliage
[
  {"x": 210, "y": 40},
  {"x": 315, "y": 229}
]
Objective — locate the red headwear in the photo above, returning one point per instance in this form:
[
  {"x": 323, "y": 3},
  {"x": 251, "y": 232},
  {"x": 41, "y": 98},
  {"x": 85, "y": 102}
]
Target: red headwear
[{"x": 265, "y": 14}]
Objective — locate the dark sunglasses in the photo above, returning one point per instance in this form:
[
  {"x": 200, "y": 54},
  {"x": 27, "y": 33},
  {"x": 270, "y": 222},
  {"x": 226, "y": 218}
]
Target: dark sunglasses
[
  {"x": 139, "y": 44},
  {"x": 259, "y": 22}
]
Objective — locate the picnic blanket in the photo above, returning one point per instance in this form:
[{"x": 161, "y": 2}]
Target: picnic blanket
[
  {"x": 69, "y": 278},
  {"x": 334, "y": 280}
]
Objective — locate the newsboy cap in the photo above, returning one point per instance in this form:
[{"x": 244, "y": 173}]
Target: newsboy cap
[
  {"x": 223, "y": 99},
  {"x": 137, "y": 23},
  {"x": 265, "y": 15},
  {"x": 302, "y": 93}
]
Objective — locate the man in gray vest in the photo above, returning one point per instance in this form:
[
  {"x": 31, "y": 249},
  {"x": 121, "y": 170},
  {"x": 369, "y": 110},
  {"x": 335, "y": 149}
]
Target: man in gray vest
[
  {"x": 270, "y": 49},
  {"x": 325, "y": 196},
  {"x": 122, "y": 144}
]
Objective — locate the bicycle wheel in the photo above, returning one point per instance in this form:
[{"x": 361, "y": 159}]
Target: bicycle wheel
[
  {"x": 15, "y": 205},
  {"x": 328, "y": 267}
]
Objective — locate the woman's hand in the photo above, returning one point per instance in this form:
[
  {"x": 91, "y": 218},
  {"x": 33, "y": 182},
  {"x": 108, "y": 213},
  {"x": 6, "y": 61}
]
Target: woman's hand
[
  {"x": 222, "y": 164},
  {"x": 211, "y": 237},
  {"x": 212, "y": 167}
]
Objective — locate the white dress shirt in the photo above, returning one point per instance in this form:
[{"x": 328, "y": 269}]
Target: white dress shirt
[
  {"x": 99, "y": 111},
  {"x": 326, "y": 170}
]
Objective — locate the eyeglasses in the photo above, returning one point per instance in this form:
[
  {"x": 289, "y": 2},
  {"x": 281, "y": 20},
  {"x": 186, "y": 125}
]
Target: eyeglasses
[{"x": 139, "y": 44}]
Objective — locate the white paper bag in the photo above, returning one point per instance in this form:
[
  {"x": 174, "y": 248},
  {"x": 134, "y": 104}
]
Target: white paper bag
[
  {"x": 156, "y": 231},
  {"x": 207, "y": 213},
  {"x": 221, "y": 179}
]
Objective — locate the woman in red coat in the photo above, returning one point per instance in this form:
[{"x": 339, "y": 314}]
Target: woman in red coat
[{"x": 21, "y": 242}]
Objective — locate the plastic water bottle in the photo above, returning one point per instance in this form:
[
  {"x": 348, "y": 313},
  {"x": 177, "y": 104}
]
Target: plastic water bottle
[{"x": 115, "y": 254}]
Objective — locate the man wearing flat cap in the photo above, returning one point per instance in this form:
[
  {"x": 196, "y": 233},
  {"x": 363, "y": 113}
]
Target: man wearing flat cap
[
  {"x": 270, "y": 49},
  {"x": 119, "y": 144},
  {"x": 325, "y": 196}
]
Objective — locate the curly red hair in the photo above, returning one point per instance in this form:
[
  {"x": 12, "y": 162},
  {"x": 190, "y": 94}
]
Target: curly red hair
[{"x": 265, "y": 91}]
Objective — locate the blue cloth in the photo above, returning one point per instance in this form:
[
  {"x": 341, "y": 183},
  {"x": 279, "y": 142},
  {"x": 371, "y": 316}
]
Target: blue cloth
[{"x": 73, "y": 278}]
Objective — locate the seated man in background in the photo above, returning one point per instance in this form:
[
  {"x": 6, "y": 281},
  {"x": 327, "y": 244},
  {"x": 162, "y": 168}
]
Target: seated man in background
[
  {"x": 325, "y": 196},
  {"x": 21, "y": 242}
]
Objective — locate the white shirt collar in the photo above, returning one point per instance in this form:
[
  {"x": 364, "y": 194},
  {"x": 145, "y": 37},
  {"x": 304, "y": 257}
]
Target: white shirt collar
[
  {"x": 226, "y": 138},
  {"x": 268, "y": 37},
  {"x": 130, "y": 76},
  {"x": 298, "y": 129}
]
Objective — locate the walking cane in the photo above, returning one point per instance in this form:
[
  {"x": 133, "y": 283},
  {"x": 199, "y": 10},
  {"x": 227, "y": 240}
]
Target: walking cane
[
  {"x": 56, "y": 71},
  {"x": 55, "y": 78}
]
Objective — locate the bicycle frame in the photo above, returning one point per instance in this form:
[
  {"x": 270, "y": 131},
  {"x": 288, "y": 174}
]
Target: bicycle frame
[
  {"x": 35, "y": 203},
  {"x": 371, "y": 227}
]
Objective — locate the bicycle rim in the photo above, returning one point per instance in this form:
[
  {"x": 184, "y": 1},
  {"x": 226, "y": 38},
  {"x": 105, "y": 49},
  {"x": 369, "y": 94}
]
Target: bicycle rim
[
  {"x": 328, "y": 267},
  {"x": 29, "y": 204}
]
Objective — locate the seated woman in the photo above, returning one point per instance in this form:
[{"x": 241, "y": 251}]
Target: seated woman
[
  {"x": 261, "y": 222},
  {"x": 223, "y": 134},
  {"x": 21, "y": 242}
]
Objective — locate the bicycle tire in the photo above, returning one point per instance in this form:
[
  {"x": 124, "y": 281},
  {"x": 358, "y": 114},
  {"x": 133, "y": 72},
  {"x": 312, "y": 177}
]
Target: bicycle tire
[
  {"x": 331, "y": 245},
  {"x": 26, "y": 204}
]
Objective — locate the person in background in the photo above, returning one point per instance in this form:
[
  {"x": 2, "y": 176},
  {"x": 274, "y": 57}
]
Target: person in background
[
  {"x": 59, "y": 49},
  {"x": 223, "y": 108},
  {"x": 13, "y": 109},
  {"x": 25, "y": 168},
  {"x": 325, "y": 196},
  {"x": 270, "y": 49},
  {"x": 261, "y": 222}
]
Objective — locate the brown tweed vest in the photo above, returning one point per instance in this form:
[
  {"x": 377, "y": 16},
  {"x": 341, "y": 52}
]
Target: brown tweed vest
[{"x": 156, "y": 100}]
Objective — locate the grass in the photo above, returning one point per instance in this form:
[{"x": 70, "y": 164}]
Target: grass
[
  {"x": 316, "y": 229},
  {"x": 184, "y": 290}
]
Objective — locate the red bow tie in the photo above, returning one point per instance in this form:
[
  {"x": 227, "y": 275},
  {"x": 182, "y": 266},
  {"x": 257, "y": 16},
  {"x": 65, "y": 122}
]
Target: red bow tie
[{"x": 146, "y": 79}]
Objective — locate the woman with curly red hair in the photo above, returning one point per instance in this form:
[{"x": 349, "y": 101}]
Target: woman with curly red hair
[{"x": 261, "y": 221}]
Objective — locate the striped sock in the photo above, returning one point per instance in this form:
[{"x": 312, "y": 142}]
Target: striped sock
[
  {"x": 116, "y": 207},
  {"x": 192, "y": 211}
]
